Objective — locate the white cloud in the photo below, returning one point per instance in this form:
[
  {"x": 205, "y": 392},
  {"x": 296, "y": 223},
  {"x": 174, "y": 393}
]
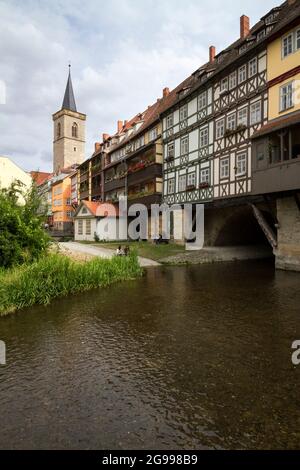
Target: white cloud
[{"x": 123, "y": 53}]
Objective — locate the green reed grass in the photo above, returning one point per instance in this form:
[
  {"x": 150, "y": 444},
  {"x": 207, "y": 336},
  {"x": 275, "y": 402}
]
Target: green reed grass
[{"x": 55, "y": 275}]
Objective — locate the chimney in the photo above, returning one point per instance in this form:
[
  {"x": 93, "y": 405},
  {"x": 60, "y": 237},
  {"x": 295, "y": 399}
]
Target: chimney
[
  {"x": 105, "y": 137},
  {"x": 212, "y": 53},
  {"x": 97, "y": 146},
  {"x": 120, "y": 126},
  {"x": 245, "y": 26},
  {"x": 166, "y": 92}
]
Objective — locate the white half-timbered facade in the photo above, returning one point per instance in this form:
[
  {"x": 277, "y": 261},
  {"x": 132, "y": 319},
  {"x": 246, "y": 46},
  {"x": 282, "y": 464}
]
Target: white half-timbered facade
[{"x": 207, "y": 130}]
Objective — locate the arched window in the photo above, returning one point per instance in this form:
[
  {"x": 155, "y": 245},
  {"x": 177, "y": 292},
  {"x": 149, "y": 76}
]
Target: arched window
[
  {"x": 74, "y": 130},
  {"x": 58, "y": 130}
]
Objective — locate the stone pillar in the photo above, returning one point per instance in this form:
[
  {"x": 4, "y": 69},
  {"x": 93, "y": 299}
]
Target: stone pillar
[{"x": 288, "y": 249}]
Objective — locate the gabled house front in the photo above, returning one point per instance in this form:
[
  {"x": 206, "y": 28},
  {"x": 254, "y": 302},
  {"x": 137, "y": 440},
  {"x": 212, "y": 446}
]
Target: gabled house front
[{"x": 95, "y": 221}]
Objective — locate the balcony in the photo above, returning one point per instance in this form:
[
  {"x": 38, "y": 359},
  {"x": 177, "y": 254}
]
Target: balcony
[
  {"x": 114, "y": 184},
  {"x": 144, "y": 173},
  {"x": 145, "y": 198},
  {"x": 84, "y": 195},
  {"x": 276, "y": 158}
]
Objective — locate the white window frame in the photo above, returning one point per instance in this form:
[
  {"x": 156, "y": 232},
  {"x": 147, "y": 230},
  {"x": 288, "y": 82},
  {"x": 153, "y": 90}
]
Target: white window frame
[
  {"x": 170, "y": 121},
  {"x": 242, "y": 74},
  {"x": 184, "y": 145},
  {"x": 288, "y": 48},
  {"x": 182, "y": 183},
  {"x": 183, "y": 113},
  {"x": 171, "y": 146},
  {"x": 241, "y": 164},
  {"x": 224, "y": 164},
  {"x": 224, "y": 84},
  {"x": 231, "y": 122},
  {"x": 80, "y": 227},
  {"x": 202, "y": 100},
  {"x": 220, "y": 128},
  {"x": 242, "y": 121},
  {"x": 286, "y": 96},
  {"x": 232, "y": 80},
  {"x": 252, "y": 67},
  {"x": 88, "y": 227},
  {"x": 203, "y": 138},
  {"x": 171, "y": 186},
  {"x": 255, "y": 113},
  {"x": 205, "y": 175},
  {"x": 297, "y": 39},
  {"x": 153, "y": 134},
  {"x": 191, "y": 179}
]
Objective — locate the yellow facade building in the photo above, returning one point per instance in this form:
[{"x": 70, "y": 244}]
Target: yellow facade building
[{"x": 10, "y": 172}]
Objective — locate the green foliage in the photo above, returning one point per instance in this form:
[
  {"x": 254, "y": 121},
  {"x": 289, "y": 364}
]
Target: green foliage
[
  {"x": 55, "y": 275},
  {"x": 22, "y": 237}
]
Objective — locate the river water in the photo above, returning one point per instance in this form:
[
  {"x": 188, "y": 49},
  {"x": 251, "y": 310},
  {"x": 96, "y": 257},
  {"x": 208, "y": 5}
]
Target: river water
[{"x": 184, "y": 358}]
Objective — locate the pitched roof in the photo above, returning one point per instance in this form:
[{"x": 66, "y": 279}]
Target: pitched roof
[
  {"x": 39, "y": 177},
  {"x": 101, "y": 209},
  {"x": 69, "y": 100}
]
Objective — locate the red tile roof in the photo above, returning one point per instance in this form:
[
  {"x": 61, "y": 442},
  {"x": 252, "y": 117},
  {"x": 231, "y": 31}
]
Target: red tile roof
[
  {"x": 39, "y": 177},
  {"x": 101, "y": 209}
]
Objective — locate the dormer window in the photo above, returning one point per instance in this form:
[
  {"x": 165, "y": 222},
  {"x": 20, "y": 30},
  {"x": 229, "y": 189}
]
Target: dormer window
[
  {"x": 75, "y": 130},
  {"x": 261, "y": 35},
  {"x": 243, "y": 48}
]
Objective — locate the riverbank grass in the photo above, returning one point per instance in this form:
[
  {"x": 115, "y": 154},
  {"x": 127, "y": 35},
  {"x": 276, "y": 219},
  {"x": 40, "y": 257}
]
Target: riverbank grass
[{"x": 55, "y": 275}]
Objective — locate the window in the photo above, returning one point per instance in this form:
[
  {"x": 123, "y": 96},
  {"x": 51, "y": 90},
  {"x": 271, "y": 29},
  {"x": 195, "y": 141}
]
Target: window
[
  {"x": 241, "y": 164},
  {"x": 253, "y": 67},
  {"x": 204, "y": 137},
  {"x": 184, "y": 146},
  {"x": 191, "y": 179},
  {"x": 183, "y": 113},
  {"x": 298, "y": 39},
  {"x": 204, "y": 175},
  {"x": 80, "y": 227},
  {"x": 224, "y": 166},
  {"x": 170, "y": 150},
  {"x": 58, "y": 130},
  {"x": 75, "y": 149},
  {"x": 287, "y": 45},
  {"x": 242, "y": 74},
  {"x": 232, "y": 80},
  {"x": 88, "y": 227},
  {"x": 243, "y": 117},
  {"x": 153, "y": 134},
  {"x": 202, "y": 100},
  {"x": 69, "y": 214},
  {"x": 255, "y": 113},
  {"x": 74, "y": 130},
  {"x": 170, "y": 121},
  {"x": 286, "y": 97},
  {"x": 171, "y": 186},
  {"x": 68, "y": 202},
  {"x": 220, "y": 129},
  {"x": 231, "y": 122},
  {"x": 261, "y": 35},
  {"x": 224, "y": 85},
  {"x": 182, "y": 183}
]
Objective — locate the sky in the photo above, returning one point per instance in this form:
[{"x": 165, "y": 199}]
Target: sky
[{"x": 123, "y": 53}]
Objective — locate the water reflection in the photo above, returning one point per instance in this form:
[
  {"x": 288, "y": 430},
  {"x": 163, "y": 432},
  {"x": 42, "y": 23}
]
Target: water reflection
[{"x": 189, "y": 357}]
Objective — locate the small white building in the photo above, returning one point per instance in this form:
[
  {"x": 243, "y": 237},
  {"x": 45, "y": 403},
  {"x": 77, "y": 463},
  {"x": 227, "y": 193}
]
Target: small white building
[{"x": 96, "y": 219}]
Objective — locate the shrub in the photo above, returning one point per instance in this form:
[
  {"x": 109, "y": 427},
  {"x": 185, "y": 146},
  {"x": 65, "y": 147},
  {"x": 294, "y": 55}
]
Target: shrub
[{"x": 22, "y": 237}]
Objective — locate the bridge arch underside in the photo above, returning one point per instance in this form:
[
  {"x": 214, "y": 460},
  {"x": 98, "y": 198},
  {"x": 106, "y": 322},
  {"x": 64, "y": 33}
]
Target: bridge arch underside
[{"x": 234, "y": 226}]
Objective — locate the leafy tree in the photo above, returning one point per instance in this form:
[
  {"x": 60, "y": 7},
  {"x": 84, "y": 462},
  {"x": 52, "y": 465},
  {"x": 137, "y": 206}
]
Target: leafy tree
[{"x": 22, "y": 238}]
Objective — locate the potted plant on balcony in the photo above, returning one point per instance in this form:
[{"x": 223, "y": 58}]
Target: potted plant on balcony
[
  {"x": 190, "y": 187},
  {"x": 204, "y": 185}
]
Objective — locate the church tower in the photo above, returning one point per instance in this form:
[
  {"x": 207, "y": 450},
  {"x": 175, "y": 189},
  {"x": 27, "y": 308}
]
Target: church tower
[{"x": 69, "y": 132}]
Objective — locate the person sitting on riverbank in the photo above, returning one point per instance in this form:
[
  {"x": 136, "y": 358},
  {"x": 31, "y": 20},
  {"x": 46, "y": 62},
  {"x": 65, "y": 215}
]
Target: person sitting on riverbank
[
  {"x": 120, "y": 251},
  {"x": 126, "y": 250}
]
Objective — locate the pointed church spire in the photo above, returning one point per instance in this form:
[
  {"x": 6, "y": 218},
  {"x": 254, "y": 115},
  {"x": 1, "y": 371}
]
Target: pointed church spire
[{"x": 69, "y": 100}]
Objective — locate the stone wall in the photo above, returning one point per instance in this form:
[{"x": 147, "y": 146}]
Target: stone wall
[{"x": 288, "y": 250}]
